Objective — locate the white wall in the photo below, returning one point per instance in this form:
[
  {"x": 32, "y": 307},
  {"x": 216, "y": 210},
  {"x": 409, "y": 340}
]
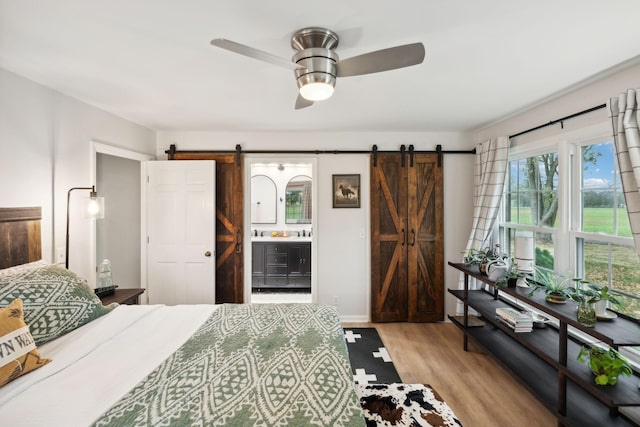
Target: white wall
[
  {"x": 582, "y": 98},
  {"x": 343, "y": 255},
  {"x": 26, "y": 142},
  {"x": 45, "y": 138},
  {"x": 344, "y": 244}
]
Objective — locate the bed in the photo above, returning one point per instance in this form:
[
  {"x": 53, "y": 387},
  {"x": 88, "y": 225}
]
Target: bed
[{"x": 242, "y": 364}]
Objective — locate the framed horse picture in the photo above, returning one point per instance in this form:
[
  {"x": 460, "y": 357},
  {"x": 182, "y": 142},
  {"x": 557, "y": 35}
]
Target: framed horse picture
[{"x": 346, "y": 191}]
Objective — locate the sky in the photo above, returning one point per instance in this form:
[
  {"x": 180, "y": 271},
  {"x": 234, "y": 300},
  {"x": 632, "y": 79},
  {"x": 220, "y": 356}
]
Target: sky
[{"x": 600, "y": 176}]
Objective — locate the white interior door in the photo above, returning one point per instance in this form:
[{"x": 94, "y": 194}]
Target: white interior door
[{"x": 181, "y": 232}]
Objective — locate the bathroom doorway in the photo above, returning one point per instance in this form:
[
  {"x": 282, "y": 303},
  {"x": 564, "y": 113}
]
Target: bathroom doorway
[
  {"x": 280, "y": 237},
  {"x": 118, "y": 237}
]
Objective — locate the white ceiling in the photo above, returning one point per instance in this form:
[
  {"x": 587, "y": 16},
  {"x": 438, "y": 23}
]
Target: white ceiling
[{"x": 150, "y": 61}]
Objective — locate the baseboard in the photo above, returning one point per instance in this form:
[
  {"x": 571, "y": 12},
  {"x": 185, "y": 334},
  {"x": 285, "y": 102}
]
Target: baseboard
[{"x": 354, "y": 319}]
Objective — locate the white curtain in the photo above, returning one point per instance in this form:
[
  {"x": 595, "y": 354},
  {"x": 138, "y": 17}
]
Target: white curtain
[
  {"x": 623, "y": 112},
  {"x": 490, "y": 170},
  {"x": 306, "y": 201}
]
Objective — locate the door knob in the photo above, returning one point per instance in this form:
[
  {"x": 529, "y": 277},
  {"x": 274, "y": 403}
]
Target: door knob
[{"x": 208, "y": 253}]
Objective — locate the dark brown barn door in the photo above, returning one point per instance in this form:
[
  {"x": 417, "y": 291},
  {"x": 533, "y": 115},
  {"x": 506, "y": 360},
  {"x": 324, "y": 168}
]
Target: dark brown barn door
[
  {"x": 388, "y": 240},
  {"x": 425, "y": 241},
  {"x": 229, "y": 224},
  {"x": 407, "y": 239}
]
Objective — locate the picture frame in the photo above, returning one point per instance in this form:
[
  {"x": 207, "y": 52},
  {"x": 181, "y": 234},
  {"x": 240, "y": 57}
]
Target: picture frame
[{"x": 346, "y": 191}]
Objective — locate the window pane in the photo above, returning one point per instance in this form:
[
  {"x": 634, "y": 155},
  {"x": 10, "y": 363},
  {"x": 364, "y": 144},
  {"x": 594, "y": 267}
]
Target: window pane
[
  {"x": 615, "y": 266},
  {"x": 533, "y": 184},
  {"x": 543, "y": 243},
  {"x": 514, "y": 175},
  {"x": 598, "y": 166},
  {"x": 628, "y": 305},
  {"x": 622, "y": 217},
  {"x": 599, "y": 219},
  {"x": 603, "y": 206},
  {"x": 544, "y": 250}
]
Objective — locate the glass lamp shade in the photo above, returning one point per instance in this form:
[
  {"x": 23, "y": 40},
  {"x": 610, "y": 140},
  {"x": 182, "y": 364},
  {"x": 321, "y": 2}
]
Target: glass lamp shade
[
  {"x": 316, "y": 91},
  {"x": 94, "y": 207}
]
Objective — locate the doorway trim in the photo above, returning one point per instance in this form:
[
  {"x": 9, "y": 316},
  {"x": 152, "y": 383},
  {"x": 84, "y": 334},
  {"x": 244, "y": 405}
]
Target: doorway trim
[
  {"x": 250, "y": 159},
  {"x": 96, "y": 147}
]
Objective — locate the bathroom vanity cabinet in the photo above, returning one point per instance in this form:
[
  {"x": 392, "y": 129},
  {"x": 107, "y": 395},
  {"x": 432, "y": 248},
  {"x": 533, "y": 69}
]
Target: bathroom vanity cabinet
[{"x": 281, "y": 266}]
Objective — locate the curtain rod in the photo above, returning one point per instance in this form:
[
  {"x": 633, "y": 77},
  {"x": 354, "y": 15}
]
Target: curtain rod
[{"x": 560, "y": 120}]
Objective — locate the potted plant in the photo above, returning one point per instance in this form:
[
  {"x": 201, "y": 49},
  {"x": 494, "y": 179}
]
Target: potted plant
[
  {"x": 606, "y": 364},
  {"x": 555, "y": 287},
  {"x": 586, "y": 295},
  {"x": 511, "y": 276},
  {"x": 482, "y": 257},
  {"x": 601, "y": 304},
  {"x": 473, "y": 256}
]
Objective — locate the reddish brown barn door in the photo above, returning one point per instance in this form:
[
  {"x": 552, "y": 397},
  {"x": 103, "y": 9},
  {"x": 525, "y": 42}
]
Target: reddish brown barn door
[
  {"x": 229, "y": 221},
  {"x": 406, "y": 239}
]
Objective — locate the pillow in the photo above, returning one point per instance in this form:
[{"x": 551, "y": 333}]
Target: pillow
[
  {"x": 18, "y": 353},
  {"x": 22, "y": 268},
  {"x": 56, "y": 300}
]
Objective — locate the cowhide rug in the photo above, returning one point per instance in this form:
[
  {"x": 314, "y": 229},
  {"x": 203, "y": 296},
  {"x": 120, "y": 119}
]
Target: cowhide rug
[{"x": 395, "y": 405}]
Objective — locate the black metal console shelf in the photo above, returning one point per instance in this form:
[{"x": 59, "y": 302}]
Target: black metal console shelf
[{"x": 545, "y": 360}]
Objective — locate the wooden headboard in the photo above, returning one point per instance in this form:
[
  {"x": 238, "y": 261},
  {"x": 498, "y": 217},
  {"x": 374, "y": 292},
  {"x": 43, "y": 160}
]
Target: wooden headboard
[{"x": 20, "y": 236}]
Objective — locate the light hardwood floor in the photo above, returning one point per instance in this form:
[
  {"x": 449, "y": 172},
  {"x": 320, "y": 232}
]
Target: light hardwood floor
[{"x": 478, "y": 390}]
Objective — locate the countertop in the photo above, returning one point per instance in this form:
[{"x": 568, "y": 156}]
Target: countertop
[{"x": 281, "y": 239}]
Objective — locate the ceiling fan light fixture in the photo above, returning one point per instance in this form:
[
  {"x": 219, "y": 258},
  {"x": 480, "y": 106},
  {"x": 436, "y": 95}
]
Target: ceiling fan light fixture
[
  {"x": 316, "y": 91},
  {"x": 317, "y": 78},
  {"x": 316, "y": 64}
]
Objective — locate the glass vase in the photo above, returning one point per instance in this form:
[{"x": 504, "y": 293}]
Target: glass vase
[{"x": 587, "y": 314}]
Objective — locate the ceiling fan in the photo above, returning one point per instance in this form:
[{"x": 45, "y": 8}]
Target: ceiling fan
[{"x": 316, "y": 65}]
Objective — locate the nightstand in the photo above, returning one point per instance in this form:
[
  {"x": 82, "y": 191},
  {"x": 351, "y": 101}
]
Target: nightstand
[{"x": 123, "y": 296}]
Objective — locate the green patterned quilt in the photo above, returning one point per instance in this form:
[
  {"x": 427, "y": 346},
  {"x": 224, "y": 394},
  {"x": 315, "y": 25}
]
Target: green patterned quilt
[{"x": 250, "y": 365}]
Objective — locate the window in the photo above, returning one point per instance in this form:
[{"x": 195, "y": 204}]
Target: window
[
  {"x": 568, "y": 196},
  {"x": 605, "y": 253},
  {"x": 298, "y": 200},
  {"x": 531, "y": 204}
]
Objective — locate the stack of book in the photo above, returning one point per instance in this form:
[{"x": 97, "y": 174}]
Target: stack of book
[{"x": 519, "y": 321}]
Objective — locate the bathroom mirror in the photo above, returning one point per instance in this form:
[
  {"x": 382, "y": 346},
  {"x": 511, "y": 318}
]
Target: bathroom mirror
[
  {"x": 298, "y": 200},
  {"x": 263, "y": 200}
]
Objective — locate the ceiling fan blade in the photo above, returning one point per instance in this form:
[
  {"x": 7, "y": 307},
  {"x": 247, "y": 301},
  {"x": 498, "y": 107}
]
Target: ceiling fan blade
[
  {"x": 381, "y": 60},
  {"x": 255, "y": 53},
  {"x": 302, "y": 102}
]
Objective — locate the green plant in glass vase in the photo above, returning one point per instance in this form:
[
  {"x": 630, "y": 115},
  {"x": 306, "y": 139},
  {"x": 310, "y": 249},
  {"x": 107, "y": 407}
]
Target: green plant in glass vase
[
  {"x": 606, "y": 364},
  {"x": 588, "y": 294}
]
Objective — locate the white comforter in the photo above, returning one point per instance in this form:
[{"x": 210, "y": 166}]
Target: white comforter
[{"x": 98, "y": 363}]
